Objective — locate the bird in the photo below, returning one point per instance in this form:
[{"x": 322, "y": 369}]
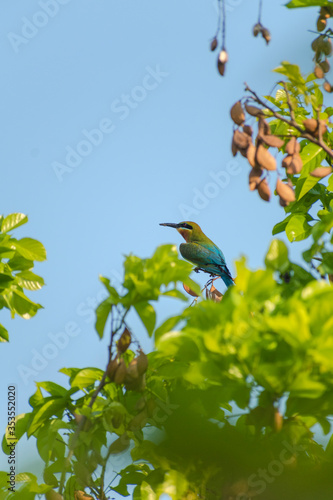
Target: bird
[{"x": 201, "y": 251}]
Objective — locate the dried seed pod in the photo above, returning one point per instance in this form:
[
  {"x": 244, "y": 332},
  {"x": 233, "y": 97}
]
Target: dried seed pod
[
  {"x": 293, "y": 146},
  {"x": 318, "y": 71},
  {"x": 247, "y": 130},
  {"x": 111, "y": 369},
  {"x": 325, "y": 66},
  {"x": 188, "y": 289},
  {"x": 266, "y": 35},
  {"x": 326, "y": 12},
  {"x": 310, "y": 125},
  {"x": 124, "y": 341},
  {"x": 121, "y": 371},
  {"x": 253, "y": 110},
  {"x": 237, "y": 113},
  {"x": 328, "y": 87},
  {"x": 263, "y": 127},
  {"x": 138, "y": 422},
  {"x": 282, "y": 202},
  {"x": 240, "y": 139},
  {"x": 135, "y": 384},
  {"x": 278, "y": 421},
  {"x": 264, "y": 191},
  {"x": 132, "y": 369},
  {"x": 296, "y": 164},
  {"x": 321, "y": 23},
  {"x": 273, "y": 141},
  {"x": 257, "y": 29},
  {"x": 321, "y": 172},
  {"x": 213, "y": 44},
  {"x": 221, "y": 61},
  {"x": 265, "y": 159},
  {"x": 53, "y": 495},
  {"x": 234, "y": 150},
  {"x": 215, "y": 294},
  {"x": 285, "y": 192},
  {"x": 251, "y": 154},
  {"x": 287, "y": 161},
  {"x": 82, "y": 495},
  {"x": 142, "y": 362},
  {"x": 254, "y": 178},
  {"x": 327, "y": 47}
]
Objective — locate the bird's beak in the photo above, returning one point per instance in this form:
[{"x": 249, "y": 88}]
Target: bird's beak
[{"x": 170, "y": 224}]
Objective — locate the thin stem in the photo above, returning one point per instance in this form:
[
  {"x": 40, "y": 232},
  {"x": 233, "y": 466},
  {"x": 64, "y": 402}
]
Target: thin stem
[
  {"x": 223, "y": 24},
  {"x": 291, "y": 109},
  {"x": 219, "y": 18},
  {"x": 291, "y": 123},
  {"x": 260, "y": 10}
]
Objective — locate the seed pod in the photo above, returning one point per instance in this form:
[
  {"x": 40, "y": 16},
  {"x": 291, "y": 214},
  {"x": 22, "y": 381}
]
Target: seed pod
[
  {"x": 325, "y": 66},
  {"x": 264, "y": 191},
  {"x": 53, "y": 495},
  {"x": 138, "y": 422},
  {"x": 310, "y": 125},
  {"x": 287, "y": 161},
  {"x": 124, "y": 341},
  {"x": 142, "y": 362},
  {"x": 321, "y": 23},
  {"x": 135, "y": 384},
  {"x": 111, "y": 369},
  {"x": 257, "y": 29},
  {"x": 251, "y": 155},
  {"x": 240, "y": 139},
  {"x": 327, "y": 48},
  {"x": 237, "y": 113},
  {"x": 188, "y": 289},
  {"x": 285, "y": 192},
  {"x": 265, "y": 159},
  {"x": 278, "y": 421},
  {"x": 296, "y": 164},
  {"x": 234, "y": 150},
  {"x": 321, "y": 172},
  {"x": 318, "y": 71},
  {"x": 119, "y": 445},
  {"x": 293, "y": 146},
  {"x": 221, "y": 61},
  {"x": 213, "y": 44},
  {"x": 266, "y": 35},
  {"x": 263, "y": 127},
  {"x": 253, "y": 110},
  {"x": 82, "y": 495},
  {"x": 273, "y": 141},
  {"x": 215, "y": 294},
  {"x": 121, "y": 371},
  {"x": 328, "y": 87},
  {"x": 247, "y": 130},
  {"x": 132, "y": 369},
  {"x": 282, "y": 202},
  {"x": 326, "y": 12},
  {"x": 254, "y": 178}
]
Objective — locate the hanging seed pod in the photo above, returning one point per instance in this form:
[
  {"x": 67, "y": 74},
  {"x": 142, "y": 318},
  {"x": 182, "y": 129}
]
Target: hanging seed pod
[
  {"x": 111, "y": 369},
  {"x": 213, "y": 44},
  {"x": 318, "y": 71},
  {"x": 251, "y": 155},
  {"x": 321, "y": 23},
  {"x": 282, "y": 202},
  {"x": 254, "y": 178},
  {"x": 247, "y": 130},
  {"x": 326, "y": 12},
  {"x": 121, "y": 371},
  {"x": 132, "y": 370},
  {"x": 285, "y": 192},
  {"x": 328, "y": 87},
  {"x": 266, "y": 35},
  {"x": 263, "y": 127},
  {"x": 240, "y": 139},
  {"x": 221, "y": 61},
  {"x": 215, "y": 294},
  {"x": 124, "y": 341},
  {"x": 237, "y": 113},
  {"x": 325, "y": 66},
  {"x": 321, "y": 172},
  {"x": 188, "y": 289},
  {"x": 234, "y": 150},
  {"x": 327, "y": 47},
  {"x": 310, "y": 125},
  {"x": 138, "y": 422},
  {"x": 264, "y": 191},
  {"x": 296, "y": 165},
  {"x": 82, "y": 495},
  {"x": 292, "y": 146},
  {"x": 257, "y": 29},
  {"x": 265, "y": 159},
  {"x": 253, "y": 110},
  {"x": 142, "y": 362},
  {"x": 272, "y": 141}
]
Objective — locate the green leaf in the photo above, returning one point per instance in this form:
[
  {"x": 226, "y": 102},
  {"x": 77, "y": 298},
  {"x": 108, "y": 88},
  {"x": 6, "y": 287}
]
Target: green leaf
[
  {"x": 53, "y": 388},
  {"x": 102, "y": 314},
  {"x": 277, "y": 256},
  {"x": 86, "y": 377},
  {"x": 12, "y": 221},
  {"x": 30, "y": 280},
  {"x": 22, "y": 305},
  {"x": 147, "y": 315},
  {"x": 29, "y": 248},
  {"x": 305, "y": 387},
  {"x": 4, "y": 337},
  {"x": 298, "y": 228},
  {"x": 47, "y": 410},
  {"x": 294, "y": 4}
]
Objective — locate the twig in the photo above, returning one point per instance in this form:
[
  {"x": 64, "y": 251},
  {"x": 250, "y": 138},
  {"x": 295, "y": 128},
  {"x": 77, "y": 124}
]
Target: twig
[
  {"x": 291, "y": 123},
  {"x": 91, "y": 402},
  {"x": 291, "y": 109},
  {"x": 260, "y": 9},
  {"x": 223, "y": 25}
]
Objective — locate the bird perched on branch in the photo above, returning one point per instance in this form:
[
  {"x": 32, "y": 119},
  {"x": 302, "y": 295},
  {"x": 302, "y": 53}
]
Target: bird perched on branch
[{"x": 201, "y": 251}]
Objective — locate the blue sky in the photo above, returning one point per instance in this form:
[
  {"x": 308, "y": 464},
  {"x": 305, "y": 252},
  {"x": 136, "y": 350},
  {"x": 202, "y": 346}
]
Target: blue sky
[{"x": 133, "y": 88}]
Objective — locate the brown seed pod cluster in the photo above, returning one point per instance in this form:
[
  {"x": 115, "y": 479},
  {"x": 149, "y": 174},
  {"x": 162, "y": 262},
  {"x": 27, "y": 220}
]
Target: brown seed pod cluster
[
  {"x": 315, "y": 127},
  {"x": 259, "y": 29},
  {"x": 322, "y": 47},
  {"x": 133, "y": 375},
  {"x": 258, "y": 155}
]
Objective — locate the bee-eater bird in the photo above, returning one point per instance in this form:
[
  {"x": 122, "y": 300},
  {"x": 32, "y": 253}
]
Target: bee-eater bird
[{"x": 201, "y": 251}]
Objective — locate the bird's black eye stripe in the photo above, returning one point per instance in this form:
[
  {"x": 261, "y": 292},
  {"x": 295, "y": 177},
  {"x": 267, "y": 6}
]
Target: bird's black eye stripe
[{"x": 185, "y": 226}]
